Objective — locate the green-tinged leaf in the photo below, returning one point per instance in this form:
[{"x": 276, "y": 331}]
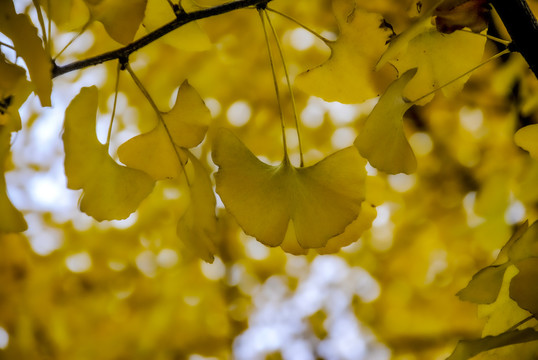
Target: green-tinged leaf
[
  {"x": 485, "y": 285},
  {"x": 527, "y": 138},
  {"x": 120, "y": 18},
  {"x": 11, "y": 220},
  {"x": 523, "y": 287},
  {"x": 348, "y": 75},
  {"x": 466, "y": 349},
  {"x": 438, "y": 59},
  {"x": 153, "y": 151},
  {"x": 28, "y": 45},
  {"x": 320, "y": 200},
  {"x": 197, "y": 228},
  {"x": 111, "y": 191},
  {"x": 382, "y": 140}
]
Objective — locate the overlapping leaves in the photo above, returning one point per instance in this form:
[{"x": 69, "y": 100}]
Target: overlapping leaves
[
  {"x": 28, "y": 45},
  {"x": 491, "y": 285},
  {"x": 347, "y": 76}
]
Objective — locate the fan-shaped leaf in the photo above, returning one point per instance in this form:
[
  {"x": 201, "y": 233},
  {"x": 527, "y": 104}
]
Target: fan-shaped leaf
[
  {"x": 120, "y": 18},
  {"x": 320, "y": 200},
  {"x": 111, "y": 191},
  {"x": 527, "y": 138},
  {"x": 382, "y": 140}
]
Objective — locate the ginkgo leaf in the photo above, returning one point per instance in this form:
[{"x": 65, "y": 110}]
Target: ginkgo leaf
[
  {"x": 320, "y": 200},
  {"x": 347, "y": 76},
  {"x": 527, "y": 138},
  {"x": 110, "y": 191},
  {"x": 466, "y": 349},
  {"x": 28, "y": 45},
  {"x": 120, "y": 18},
  {"x": 11, "y": 220},
  {"x": 382, "y": 140},
  {"x": 197, "y": 228},
  {"x": 438, "y": 59},
  {"x": 153, "y": 152},
  {"x": 187, "y": 37},
  {"x": 485, "y": 285},
  {"x": 523, "y": 285}
]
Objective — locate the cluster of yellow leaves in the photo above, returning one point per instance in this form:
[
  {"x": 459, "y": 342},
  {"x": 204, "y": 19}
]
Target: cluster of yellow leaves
[{"x": 509, "y": 285}]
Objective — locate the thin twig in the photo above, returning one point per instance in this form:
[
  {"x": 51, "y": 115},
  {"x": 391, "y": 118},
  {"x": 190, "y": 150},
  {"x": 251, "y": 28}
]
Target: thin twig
[
  {"x": 284, "y": 143},
  {"x": 124, "y": 52},
  {"x": 294, "y": 107}
]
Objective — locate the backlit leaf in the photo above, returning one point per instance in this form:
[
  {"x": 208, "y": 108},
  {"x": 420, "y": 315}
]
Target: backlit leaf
[
  {"x": 382, "y": 140},
  {"x": 120, "y": 18},
  {"x": 153, "y": 151},
  {"x": 438, "y": 59},
  {"x": 347, "y": 76},
  {"x": 11, "y": 220},
  {"x": 527, "y": 138},
  {"x": 111, "y": 191},
  {"x": 197, "y": 228},
  {"x": 320, "y": 200},
  {"x": 28, "y": 45}
]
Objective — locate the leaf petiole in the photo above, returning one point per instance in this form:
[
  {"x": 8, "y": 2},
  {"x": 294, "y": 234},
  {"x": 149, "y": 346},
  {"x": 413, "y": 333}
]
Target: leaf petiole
[
  {"x": 504, "y": 52},
  {"x": 322, "y": 38},
  {"x": 42, "y": 24},
  {"x": 109, "y": 135},
  {"x": 275, "y": 82},
  {"x": 492, "y": 38},
  {"x": 72, "y": 40},
  {"x": 146, "y": 94},
  {"x": 295, "y": 118}
]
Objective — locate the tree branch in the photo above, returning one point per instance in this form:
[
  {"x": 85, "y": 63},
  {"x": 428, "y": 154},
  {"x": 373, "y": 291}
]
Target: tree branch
[
  {"x": 182, "y": 19},
  {"x": 522, "y": 27}
]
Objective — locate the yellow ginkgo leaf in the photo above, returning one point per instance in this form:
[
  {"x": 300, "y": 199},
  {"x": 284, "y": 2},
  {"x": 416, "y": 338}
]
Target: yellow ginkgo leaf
[
  {"x": 28, "y": 45},
  {"x": 153, "y": 152},
  {"x": 320, "y": 200},
  {"x": 120, "y": 18},
  {"x": 382, "y": 140},
  {"x": 347, "y": 76},
  {"x": 14, "y": 89},
  {"x": 111, "y": 191},
  {"x": 188, "y": 37},
  {"x": 527, "y": 138},
  {"x": 197, "y": 228},
  {"x": 11, "y": 220},
  {"x": 438, "y": 59}
]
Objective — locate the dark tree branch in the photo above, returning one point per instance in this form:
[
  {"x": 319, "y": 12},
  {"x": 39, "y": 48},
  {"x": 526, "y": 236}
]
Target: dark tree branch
[
  {"x": 522, "y": 27},
  {"x": 182, "y": 19}
]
